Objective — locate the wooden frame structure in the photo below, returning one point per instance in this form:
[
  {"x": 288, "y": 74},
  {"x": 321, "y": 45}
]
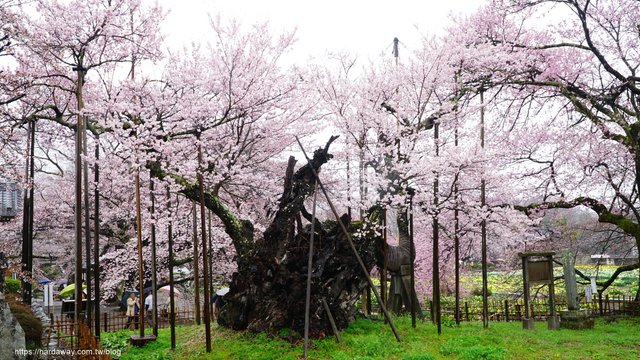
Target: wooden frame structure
[{"x": 537, "y": 268}]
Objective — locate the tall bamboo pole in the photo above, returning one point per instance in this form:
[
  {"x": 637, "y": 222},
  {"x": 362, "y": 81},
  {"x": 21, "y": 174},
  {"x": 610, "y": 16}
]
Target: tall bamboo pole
[
  {"x": 205, "y": 268},
  {"x": 483, "y": 227}
]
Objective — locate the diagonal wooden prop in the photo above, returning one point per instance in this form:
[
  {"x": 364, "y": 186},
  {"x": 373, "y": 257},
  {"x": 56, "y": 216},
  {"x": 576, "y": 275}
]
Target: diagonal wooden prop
[{"x": 353, "y": 248}]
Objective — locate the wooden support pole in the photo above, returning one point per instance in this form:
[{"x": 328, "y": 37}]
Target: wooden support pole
[
  {"x": 525, "y": 285},
  {"x": 27, "y": 244},
  {"x": 383, "y": 272},
  {"x": 412, "y": 259},
  {"x": 172, "y": 307},
  {"x": 331, "y": 320},
  {"x": 350, "y": 241},
  {"x": 205, "y": 268},
  {"x": 466, "y": 310},
  {"x": 307, "y": 304},
  {"x": 552, "y": 302},
  {"x": 87, "y": 232},
  {"x": 436, "y": 238},
  {"x": 96, "y": 238},
  {"x": 506, "y": 310},
  {"x": 196, "y": 266},
  {"x": 483, "y": 228},
  {"x": 600, "y": 302},
  {"x": 25, "y": 286},
  {"x": 78, "y": 195},
  {"x": 140, "y": 260},
  {"x": 154, "y": 275},
  {"x": 209, "y": 234},
  {"x": 456, "y": 238}
]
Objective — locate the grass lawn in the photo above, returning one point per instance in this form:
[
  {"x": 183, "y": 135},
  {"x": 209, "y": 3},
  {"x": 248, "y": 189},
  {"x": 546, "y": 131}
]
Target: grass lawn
[{"x": 373, "y": 340}]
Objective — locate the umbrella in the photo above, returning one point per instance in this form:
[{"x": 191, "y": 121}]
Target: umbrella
[
  {"x": 223, "y": 291},
  {"x": 69, "y": 290},
  {"x": 125, "y": 296},
  {"x": 167, "y": 289}
]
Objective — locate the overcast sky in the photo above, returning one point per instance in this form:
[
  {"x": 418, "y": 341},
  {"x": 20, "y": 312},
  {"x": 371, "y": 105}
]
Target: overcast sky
[{"x": 361, "y": 27}]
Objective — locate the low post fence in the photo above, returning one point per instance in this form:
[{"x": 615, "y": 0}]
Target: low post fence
[
  {"x": 513, "y": 310},
  {"x": 117, "y": 320},
  {"x": 61, "y": 331}
]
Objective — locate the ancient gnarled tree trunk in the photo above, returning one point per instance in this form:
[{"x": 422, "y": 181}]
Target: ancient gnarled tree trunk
[{"x": 268, "y": 290}]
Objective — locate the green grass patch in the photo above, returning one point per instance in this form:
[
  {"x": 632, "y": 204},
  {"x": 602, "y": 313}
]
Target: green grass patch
[{"x": 367, "y": 339}]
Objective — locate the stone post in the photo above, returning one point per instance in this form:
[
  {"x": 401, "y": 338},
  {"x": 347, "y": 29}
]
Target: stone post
[
  {"x": 570, "y": 282},
  {"x": 573, "y": 317}
]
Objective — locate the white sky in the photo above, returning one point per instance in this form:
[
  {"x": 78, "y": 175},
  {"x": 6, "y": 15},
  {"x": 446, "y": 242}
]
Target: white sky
[{"x": 361, "y": 27}]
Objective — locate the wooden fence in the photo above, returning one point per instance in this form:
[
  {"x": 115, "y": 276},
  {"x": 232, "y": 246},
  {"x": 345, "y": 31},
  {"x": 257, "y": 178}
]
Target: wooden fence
[
  {"x": 513, "y": 310},
  {"x": 60, "y": 334},
  {"x": 66, "y": 338},
  {"x": 115, "y": 321}
]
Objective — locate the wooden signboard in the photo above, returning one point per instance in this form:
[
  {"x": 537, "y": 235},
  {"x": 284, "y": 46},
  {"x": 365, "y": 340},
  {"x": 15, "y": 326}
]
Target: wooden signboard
[{"x": 539, "y": 272}]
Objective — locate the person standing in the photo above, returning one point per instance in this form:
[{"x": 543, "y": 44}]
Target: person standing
[
  {"x": 148, "y": 305},
  {"x": 133, "y": 308}
]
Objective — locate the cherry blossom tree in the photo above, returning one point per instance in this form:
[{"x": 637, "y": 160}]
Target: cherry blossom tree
[{"x": 564, "y": 71}]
